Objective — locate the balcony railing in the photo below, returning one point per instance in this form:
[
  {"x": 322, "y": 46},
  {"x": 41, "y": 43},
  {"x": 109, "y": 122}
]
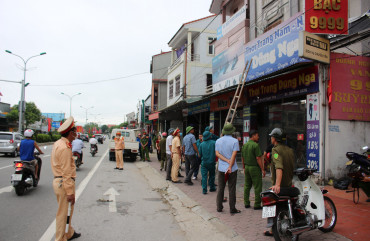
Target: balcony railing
[
  {"x": 193, "y": 57},
  {"x": 178, "y": 61},
  {"x": 209, "y": 89}
]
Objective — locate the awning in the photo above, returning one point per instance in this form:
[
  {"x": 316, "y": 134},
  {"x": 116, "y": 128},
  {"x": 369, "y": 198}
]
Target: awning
[{"x": 154, "y": 116}]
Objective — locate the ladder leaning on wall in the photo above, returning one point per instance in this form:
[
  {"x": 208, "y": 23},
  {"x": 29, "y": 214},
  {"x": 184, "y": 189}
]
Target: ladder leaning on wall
[{"x": 238, "y": 93}]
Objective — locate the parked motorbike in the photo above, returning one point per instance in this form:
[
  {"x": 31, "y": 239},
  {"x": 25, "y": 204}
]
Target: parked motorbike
[
  {"x": 24, "y": 176},
  {"x": 93, "y": 150},
  {"x": 78, "y": 159},
  {"x": 358, "y": 165},
  {"x": 298, "y": 209}
]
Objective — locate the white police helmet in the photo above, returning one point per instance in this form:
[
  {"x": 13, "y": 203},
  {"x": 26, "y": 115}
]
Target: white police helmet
[{"x": 28, "y": 133}]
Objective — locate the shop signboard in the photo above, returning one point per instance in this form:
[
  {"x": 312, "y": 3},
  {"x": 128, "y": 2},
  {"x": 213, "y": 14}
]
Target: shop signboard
[
  {"x": 314, "y": 47},
  {"x": 276, "y": 49},
  {"x": 349, "y": 87},
  {"x": 299, "y": 82},
  {"x": 54, "y": 116},
  {"x": 232, "y": 22},
  {"x": 227, "y": 67},
  {"x": 199, "y": 108},
  {"x": 313, "y": 132},
  {"x": 246, "y": 123},
  {"x": 222, "y": 102},
  {"x": 326, "y": 16}
]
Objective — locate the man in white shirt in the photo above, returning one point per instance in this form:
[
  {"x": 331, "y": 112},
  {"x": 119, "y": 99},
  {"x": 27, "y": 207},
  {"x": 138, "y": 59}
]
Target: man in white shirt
[
  {"x": 168, "y": 153},
  {"x": 77, "y": 146},
  {"x": 94, "y": 142}
]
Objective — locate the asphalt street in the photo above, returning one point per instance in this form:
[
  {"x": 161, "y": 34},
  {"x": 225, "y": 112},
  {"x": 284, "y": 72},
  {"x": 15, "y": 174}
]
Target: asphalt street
[{"x": 129, "y": 210}]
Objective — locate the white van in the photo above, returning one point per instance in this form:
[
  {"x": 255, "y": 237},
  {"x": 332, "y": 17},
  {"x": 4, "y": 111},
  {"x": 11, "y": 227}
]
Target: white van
[{"x": 131, "y": 145}]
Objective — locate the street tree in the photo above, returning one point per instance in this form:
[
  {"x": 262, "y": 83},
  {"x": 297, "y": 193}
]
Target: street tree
[
  {"x": 32, "y": 113},
  {"x": 104, "y": 128}
]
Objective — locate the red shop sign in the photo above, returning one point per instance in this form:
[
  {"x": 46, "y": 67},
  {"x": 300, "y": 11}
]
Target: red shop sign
[
  {"x": 326, "y": 16},
  {"x": 349, "y": 87}
]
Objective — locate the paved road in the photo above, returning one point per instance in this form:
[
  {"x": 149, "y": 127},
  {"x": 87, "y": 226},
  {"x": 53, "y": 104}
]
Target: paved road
[{"x": 140, "y": 210}]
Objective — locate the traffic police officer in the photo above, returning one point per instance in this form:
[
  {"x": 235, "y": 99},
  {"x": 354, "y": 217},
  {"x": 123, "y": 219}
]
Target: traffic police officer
[
  {"x": 64, "y": 170},
  {"x": 144, "y": 147}
]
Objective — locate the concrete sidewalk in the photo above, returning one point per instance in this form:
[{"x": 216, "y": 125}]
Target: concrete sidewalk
[{"x": 249, "y": 223}]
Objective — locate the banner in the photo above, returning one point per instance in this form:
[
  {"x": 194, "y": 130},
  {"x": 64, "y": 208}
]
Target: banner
[
  {"x": 276, "y": 49},
  {"x": 297, "y": 83},
  {"x": 313, "y": 132},
  {"x": 349, "y": 91}
]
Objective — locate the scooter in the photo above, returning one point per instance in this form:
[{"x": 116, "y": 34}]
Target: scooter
[
  {"x": 24, "y": 176},
  {"x": 298, "y": 209},
  {"x": 78, "y": 159},
  {"x": 93, "y": 150}
]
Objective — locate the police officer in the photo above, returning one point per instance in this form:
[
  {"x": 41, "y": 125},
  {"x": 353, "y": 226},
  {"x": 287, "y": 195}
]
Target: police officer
[
  {"x": 253, "y": 169},
  {"x": 64, "y": 170},
  {"x": 282, "y": 164},
  {"x": 145, "y": 147}
]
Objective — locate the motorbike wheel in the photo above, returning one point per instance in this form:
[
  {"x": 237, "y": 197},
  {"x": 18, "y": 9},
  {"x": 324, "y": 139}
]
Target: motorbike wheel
[
  {"x": 19, "y": 190},
  {"x": 330, "y": 215},
  {"x": 281, "y": 224},
  {"x": 93, "y": 154}
]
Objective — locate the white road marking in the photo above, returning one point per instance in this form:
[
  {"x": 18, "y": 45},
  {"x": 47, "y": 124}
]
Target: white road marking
[
  {"x": 6, "y": 189},
  {"x": 112, "y": 193},
  {"x": 49, "y": 233},
  {"x": 5, "y": 167}
]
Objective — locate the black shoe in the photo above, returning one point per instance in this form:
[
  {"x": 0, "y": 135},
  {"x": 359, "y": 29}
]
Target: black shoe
[
  {"x": 189, "y": 183},
  {"x": 149, "y": 161},
  {"x": 257, "y": 208},
  {"x": 178, "y": 181},
  {"x": 121, "y": 168},
  {"x": 75, "y": 235},
  {"x": 168, "y": 179},
  {"x": 180, "y": 175},
  {"x": 247, "y": 206},
  {"x": 219, "y": 210},
  {"x": 204, "y": 192},
  {"x": 116, "y": 168},
  {"x": 235, "y": 211},
  {"x": 212, "y": 190}
]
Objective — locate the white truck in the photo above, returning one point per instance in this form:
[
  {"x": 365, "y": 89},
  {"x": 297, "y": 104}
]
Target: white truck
[{"x": 131, "y": 145}]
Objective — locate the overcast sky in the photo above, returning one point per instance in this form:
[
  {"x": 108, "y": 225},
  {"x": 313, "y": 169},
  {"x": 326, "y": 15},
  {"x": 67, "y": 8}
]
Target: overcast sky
[{"x": 87, "y": 41}]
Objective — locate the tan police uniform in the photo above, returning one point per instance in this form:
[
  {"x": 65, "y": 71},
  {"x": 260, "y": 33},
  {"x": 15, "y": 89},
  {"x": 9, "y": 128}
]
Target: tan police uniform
[
  {"x": 176, "y": 158},
  {"x": 64, "y": 170},
  {"x": 282, "y": 158},
  {"x": 119, "y": 147}
]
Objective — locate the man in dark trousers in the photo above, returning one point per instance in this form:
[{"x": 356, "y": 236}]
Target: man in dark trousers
[
  {"x": 191, "y": 151},
  {"x": 253, "y": 169}
]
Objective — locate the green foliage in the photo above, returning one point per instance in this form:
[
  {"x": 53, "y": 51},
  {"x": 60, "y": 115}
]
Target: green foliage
[
  {"x": 55, "y": 137},
  {"x": 104, "y": 128},
  {"x": 40, "y": 138},
  {"x": 32, "y": 114}
]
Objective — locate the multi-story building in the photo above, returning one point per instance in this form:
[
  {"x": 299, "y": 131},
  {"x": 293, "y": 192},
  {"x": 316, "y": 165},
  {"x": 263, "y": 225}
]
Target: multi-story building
[
  {"x": 159, "y": 70},
  {"x": 190, "y": 71},
  {"x": 284, "y": 87}
]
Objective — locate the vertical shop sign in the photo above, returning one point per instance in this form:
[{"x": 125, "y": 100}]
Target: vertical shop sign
[
  {"x": 246, "y": 123},
  {"x": 212, "y": 119},
  {"x": 313, "y": 132}
]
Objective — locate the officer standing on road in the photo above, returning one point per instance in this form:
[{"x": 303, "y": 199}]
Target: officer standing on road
[
  {"x": 176, "y": 156},
  {"x": 191, "y": 151},
  {"x": 208, "y": 156},
  {"x": 282, "y": 164},
  {"x": 253, "y": 169},
  {"x": 119, "y": 142},
  {"x": 144, "y": 147},
  {"x": 64, "y": 170}
]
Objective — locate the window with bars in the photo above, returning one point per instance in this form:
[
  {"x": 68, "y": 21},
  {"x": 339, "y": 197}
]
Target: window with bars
[
  {"x": 177, "y": 81},
  {"x": 170, "y": 94}
]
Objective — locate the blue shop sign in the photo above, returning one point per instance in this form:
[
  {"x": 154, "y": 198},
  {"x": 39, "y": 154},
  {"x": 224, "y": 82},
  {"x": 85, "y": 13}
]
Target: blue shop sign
[
  {"x": 276, "y": 49},
  {"x": 199, "y": 108},
  {"x": 55, "y": 124}
]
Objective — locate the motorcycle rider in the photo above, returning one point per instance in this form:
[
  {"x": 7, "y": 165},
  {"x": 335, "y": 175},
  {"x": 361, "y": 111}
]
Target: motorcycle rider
[
  {"x": 93, "y": 143},
  {"x": 77, "y": 146},
  {"x": 27, "y": 148},
  {"x": 282, "y": 164}
]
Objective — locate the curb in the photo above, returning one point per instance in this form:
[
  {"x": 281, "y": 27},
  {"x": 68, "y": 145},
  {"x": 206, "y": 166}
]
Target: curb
[{"x": 196, "y": 222}]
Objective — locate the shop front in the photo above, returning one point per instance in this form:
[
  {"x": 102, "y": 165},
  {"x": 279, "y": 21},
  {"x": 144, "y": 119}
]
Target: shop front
[
  {"x": 286, "y": 102},
  {"x": 198, "y": 116}
]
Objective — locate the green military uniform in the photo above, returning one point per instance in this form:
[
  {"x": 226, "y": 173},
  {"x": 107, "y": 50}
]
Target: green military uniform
[
  {"x": 253, "y": 172},
  {"x": 208, "y": 156},
  {"x": 282, "y": 158},
  {"x": 162, "y": 148},
  {"x": 144, "y": 148}
]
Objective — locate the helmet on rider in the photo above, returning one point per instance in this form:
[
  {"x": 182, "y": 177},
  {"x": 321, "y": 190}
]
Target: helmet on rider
[
  {"x": 28, "y": 133},
  {"x": 93, "y": 136},
  {"x": 277, "y": 133}
]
